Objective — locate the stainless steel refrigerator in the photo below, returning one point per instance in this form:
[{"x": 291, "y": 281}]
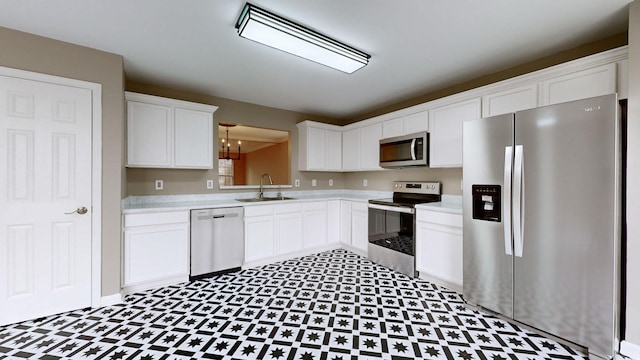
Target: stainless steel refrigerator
[{"x": 542, "y": 219}]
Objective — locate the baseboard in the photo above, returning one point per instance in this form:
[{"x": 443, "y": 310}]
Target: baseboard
[
  {"x": 109, "y": 300},
  {"x": 451, "y": 285},
  {"x": 291, "y": 255},
  {"x": 630, "y": 350}
]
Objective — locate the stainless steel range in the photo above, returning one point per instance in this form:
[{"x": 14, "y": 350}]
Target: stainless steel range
[{"x": 392, "y": 224}]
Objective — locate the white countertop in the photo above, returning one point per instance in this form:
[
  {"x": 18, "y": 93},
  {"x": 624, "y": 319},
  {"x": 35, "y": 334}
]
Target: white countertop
[
  {"x": 146, "y": 204},
  {"x": 449, "y": 203},
  {"x": 162, "y": 203}
]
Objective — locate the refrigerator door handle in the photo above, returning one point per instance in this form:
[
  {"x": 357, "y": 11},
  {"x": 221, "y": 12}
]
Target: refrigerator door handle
[
  {"x": 413, "y": 149},
  {"x": 518, "y": 201},
  {"x": 506, "y": 198}
]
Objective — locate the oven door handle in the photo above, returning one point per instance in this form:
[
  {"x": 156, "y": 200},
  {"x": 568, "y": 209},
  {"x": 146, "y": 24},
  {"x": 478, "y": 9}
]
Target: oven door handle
[{"x": 393, "y": 208}]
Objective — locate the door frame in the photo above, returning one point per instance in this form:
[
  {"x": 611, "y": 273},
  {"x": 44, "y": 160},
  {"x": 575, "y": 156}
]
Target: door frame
[{"x": 96, "y": 166}]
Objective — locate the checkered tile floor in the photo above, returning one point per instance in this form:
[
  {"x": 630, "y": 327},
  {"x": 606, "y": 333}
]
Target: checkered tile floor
[{"x": 333, "y": 305}]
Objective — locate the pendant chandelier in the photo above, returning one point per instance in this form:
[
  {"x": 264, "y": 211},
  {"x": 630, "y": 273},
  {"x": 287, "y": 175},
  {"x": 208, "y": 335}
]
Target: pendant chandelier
[{"x": 226, "y": 145}]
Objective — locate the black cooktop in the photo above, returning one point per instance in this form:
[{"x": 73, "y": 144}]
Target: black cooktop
[
  {"x": 409, "y": 194},
  {"x": 407, "y": 200}
]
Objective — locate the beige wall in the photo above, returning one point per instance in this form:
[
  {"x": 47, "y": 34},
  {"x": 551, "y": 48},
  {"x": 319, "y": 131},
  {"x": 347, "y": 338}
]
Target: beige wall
[
  {"x": 633, "y": 184},
  {"x": 38, "y": 54},
  {"x": 382, "y": 180}
]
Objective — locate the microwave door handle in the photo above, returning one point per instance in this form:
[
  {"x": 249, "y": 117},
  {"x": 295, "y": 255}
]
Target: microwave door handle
[{"x": 413, "y": 149}]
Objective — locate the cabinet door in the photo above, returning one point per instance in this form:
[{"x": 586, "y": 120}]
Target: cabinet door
[
  {"x": 259, "y": 238},
  {"x": 439, "y": 252},
  {"x": 597, "y": 81},
  {"x": 351, "y": 150},
  {"x": 445, "y": 126},
  {"x": 370, "y": 136},
  {"x": 333, "y": 150},
  {"x": 415, "y": 123},
  {"x": 193, "y": 139},
  {"x": 509, "y": 101},
  {"x": 314, "y": 221},
  {"x": 153, "y": 253},
  {"x": 333, "y": 221},
  {"x": 359, "y": 226},
  {"x": 149, "y": 135},
  {"x": 345, "y": 222},
  {"x": 315, "y": 149},
  {"x": 288, "y": 233},
  {"x": 393, "y": 127}
]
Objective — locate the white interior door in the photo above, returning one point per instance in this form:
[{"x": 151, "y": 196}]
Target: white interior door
[{"x": 46, "y": 175}]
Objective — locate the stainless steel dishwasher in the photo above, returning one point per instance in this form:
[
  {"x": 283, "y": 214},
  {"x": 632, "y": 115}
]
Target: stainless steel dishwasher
[{"x": 217, "y": 241}]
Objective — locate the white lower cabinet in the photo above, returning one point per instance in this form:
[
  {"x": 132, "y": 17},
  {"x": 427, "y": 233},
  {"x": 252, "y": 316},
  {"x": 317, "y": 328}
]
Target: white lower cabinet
[
  {"x": 334, "y": 215},
  {"x": 345, "y": 222},
  {"x": 288, "y": 234},
  {"x": 156, "y": 250},
  {"x": 439, "y": 247},
  {"x": 359, "y": 226},
  {"x": 314, "y": 219},
  {"x": 275, "y": 232},
  {"x": 259, "y": 233}
]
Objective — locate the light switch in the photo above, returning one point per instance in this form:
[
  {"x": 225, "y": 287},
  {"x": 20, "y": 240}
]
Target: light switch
[
  {"x": 314, "y": 182},
  {"x": 365, "y": 182},
  {"x": 297, "y": 183}
]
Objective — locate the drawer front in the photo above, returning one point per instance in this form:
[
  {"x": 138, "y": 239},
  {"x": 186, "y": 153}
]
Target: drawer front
[
  {"x": 261, "y": 210},
  {"x": 359, "y": 206},
  {"x": 288, "y": 208},
  {"x": 441, "y": 218},
  {"x": 159, "y": 218},
  {"x": 315, "y": 205}
]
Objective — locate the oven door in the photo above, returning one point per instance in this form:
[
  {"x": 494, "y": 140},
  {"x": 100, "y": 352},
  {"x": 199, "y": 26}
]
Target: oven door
[{"x": 391, "y": 237}]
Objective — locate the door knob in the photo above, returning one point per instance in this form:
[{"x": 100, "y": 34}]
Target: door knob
[{"x": 81, "y": 210}]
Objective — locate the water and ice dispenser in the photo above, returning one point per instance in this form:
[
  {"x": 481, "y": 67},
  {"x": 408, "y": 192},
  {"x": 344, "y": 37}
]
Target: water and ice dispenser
[{"x": 486, "y": 202}]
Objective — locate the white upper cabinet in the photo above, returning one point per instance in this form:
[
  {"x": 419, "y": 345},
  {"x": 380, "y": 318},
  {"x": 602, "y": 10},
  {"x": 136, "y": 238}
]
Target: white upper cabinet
[
  {"x": 167, "y": 133},
  {"x": 445, "y": 125},
  {"x": 351, "y": 150},
  {"x": 583, "y": 84},
  {"x": 319, "y": 147},
  {"x": 595, "y": 75},
  {"x": 361, "y": 147},
  {"x": 511, "y": 100},
  {"x": 370, "y": 136},
  {"x": 149, "y": 135},
  {"x": 405, "y": 125}
]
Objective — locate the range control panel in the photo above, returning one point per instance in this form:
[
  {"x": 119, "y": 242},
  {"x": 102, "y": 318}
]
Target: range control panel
[
  {"x": 487, "y": 202},
  {"x": 418, "y": 187}
]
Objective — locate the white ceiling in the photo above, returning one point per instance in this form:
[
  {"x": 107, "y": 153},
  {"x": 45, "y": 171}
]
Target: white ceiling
[{"x": 416, "y": 46}]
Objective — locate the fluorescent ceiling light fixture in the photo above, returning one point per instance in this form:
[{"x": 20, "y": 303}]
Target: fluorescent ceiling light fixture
[{"x": 275, "y": 31}]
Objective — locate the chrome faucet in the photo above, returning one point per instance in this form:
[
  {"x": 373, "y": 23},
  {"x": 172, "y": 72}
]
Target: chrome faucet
[{"x": 261, "y": 195}]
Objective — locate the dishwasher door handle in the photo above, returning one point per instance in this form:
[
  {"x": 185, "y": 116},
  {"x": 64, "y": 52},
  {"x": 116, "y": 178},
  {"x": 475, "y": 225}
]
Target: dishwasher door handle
[{"x": 218, "y": 216}]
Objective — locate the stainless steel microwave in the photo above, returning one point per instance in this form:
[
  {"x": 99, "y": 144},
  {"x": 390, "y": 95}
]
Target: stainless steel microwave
[{"x": 404, "y": 151}]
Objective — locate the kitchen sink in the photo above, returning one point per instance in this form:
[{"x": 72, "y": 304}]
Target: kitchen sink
[{"x": 279, "y": 198}]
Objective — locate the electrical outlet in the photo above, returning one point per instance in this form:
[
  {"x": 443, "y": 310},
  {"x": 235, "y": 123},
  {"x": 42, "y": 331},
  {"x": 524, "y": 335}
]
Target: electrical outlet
[
  {"x": 297, "y": 183},
  {"x": 314, "y": 182},
  {"x": 209, "y": 184},
  {"x": 159, "y": 184},
  {"x": 365, "y": 182},
  {"x": 330, "y": 182}
]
